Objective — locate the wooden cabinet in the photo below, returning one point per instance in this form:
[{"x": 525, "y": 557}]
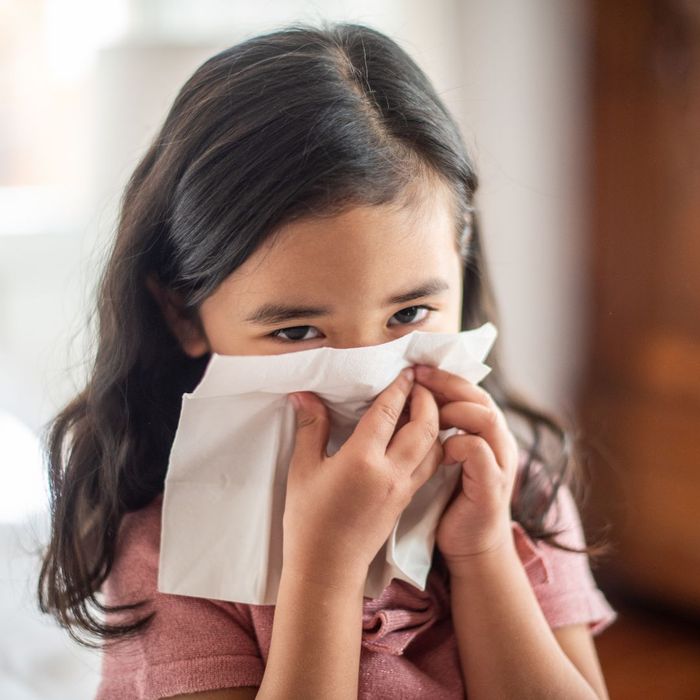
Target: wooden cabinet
[{"x": 640, "y": 396}]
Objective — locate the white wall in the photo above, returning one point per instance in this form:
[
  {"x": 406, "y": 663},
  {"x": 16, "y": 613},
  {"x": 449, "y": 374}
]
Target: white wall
[{"x": 525, "y": 101}]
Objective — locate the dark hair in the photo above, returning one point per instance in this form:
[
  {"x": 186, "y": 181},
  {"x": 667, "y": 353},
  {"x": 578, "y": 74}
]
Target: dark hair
[{"x": 300, "y": 121}]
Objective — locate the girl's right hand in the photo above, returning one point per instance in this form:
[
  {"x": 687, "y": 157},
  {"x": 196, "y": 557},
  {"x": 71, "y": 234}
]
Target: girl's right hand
[{"x": 339, "y": 510}]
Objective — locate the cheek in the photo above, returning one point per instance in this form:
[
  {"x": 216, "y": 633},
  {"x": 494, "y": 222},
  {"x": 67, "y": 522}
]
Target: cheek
[{"x": 450, "y": 321}]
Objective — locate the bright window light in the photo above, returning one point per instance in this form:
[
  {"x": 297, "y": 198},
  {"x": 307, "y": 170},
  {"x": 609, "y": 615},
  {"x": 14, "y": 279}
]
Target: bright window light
[{"x": 23, "y": 487}]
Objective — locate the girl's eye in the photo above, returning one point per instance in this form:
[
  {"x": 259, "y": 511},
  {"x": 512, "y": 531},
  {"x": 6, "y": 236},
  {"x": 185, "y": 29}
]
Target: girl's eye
[
  {"x": 406, "y": 317},
  {"x": 408, "y": 314},
  {"x": 294, "y": 330}
]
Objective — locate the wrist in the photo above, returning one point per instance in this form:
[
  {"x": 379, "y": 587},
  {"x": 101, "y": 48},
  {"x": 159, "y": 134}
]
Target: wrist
[
  {"x": 323, "y": 579},
  {"x": 490, "y": 560}
]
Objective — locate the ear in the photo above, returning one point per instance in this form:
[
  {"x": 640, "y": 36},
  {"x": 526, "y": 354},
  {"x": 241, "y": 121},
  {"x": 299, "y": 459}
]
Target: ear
[{"x": 187, "y": 330}]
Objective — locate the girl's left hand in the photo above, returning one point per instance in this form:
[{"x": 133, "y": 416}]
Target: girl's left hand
[{"x": 477, "y": 520}]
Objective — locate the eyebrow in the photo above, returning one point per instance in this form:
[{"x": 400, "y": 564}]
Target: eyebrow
[{"x": 278, "y": 313}]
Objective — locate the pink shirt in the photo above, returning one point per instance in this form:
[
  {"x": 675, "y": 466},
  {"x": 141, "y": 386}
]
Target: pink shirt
[{"x": 408, "y": 649}]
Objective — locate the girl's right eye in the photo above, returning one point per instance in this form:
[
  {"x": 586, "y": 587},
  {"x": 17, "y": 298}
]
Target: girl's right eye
[{"x": 293, "y": 330}]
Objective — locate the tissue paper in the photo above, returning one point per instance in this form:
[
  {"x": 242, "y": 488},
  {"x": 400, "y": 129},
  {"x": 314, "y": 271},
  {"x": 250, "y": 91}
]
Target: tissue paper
[{"x": 223, "y": 502}]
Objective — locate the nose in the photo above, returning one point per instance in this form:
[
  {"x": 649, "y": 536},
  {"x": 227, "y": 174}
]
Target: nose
[
  {"x": 360, "y": 340},
  {"x": 357, "y": 340}
]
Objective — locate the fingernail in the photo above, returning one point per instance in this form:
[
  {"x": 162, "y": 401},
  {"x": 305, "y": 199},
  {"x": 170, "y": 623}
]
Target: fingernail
[
  {"x": 423, "y": 371},
  {"x": 296, "y": 401},
  {"x": 408, "y": 373}
]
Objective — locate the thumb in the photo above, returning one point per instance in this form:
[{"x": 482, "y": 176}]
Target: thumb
[{"x": 312, "y": 425}]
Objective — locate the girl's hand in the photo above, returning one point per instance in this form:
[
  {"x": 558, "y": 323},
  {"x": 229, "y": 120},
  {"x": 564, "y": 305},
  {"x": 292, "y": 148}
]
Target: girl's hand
[
  {"x": 477, "y": 520},
  {"x": 339, "y": 510}
]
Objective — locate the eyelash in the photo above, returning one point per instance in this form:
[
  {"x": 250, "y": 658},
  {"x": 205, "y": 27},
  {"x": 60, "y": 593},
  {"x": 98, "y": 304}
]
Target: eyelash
[{"x": 278, "y": 338}]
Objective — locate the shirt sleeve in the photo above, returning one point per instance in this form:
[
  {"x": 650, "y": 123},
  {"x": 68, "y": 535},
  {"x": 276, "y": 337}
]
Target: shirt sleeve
[
  {"x": 562, "y": 580},
  {"x": 192, "y": 644}
]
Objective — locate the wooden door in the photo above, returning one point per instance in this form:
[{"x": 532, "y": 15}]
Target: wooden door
[{"x": 640, "y": 397}]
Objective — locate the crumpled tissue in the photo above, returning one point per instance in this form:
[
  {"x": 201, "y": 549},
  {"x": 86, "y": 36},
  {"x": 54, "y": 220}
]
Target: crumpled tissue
[{"x": 223, "y": 501}]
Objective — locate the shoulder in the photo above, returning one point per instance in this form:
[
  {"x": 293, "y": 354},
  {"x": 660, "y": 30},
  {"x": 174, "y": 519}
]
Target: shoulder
[
  {"x": 562, "y": 580},
  {"x": 138, "y": 540},
  {"x": 134, "y": 572},
  {"x": 563, "y": 514},
  {"x": 135, "y": 569},
  {"x": 189, "y": 644}
]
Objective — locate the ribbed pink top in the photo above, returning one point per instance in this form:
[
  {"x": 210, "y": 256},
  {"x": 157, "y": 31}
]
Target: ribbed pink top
[{"x": 408, "y": 642}]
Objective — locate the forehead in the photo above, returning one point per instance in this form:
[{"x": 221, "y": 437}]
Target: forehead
[{"x": 361, "y": 244}]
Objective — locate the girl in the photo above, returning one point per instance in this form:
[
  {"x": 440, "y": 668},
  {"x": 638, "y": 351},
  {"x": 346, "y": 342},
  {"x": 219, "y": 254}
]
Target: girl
[{"x": 313, "y": 174}]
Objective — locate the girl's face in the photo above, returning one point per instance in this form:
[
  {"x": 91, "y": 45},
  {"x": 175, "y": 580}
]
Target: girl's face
[{"x": 364, "y": 277}]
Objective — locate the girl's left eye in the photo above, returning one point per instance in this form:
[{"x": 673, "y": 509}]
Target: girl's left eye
[
  {"x": 411, "y": 310},
  {"x": 404, "y": 313}
]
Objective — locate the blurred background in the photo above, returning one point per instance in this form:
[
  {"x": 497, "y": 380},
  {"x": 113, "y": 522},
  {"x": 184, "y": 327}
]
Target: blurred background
[{"x": 583, "y": 117}]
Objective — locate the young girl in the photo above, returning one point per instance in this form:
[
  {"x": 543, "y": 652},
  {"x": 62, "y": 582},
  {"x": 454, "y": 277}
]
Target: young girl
[{"x": 308, "y": 188}]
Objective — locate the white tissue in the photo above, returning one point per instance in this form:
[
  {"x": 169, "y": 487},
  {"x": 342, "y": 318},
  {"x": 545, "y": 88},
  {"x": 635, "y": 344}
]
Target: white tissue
[{"x": 225, "y": 487}]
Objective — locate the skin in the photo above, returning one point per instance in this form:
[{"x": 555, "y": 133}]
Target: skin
[
  {"x": 352, "y": 263},
  {"x": 367, "y": 254}
]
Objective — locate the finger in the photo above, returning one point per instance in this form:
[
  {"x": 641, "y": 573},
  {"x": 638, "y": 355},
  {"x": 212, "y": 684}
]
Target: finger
[
  {"x": 427, "y": 468},
  {"x": 410, "y": 445},
  {"x": 451, "y": 387},
  {"x": 378, "y": 422},
  {"x": 480, "y": 420},
  {"x": 312, "y": 427},
  {"x": 480, "y": 468}
]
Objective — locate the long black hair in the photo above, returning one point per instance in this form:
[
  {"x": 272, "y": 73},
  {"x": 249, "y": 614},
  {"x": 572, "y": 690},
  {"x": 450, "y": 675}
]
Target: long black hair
[{"x": 299, "y": 121}]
